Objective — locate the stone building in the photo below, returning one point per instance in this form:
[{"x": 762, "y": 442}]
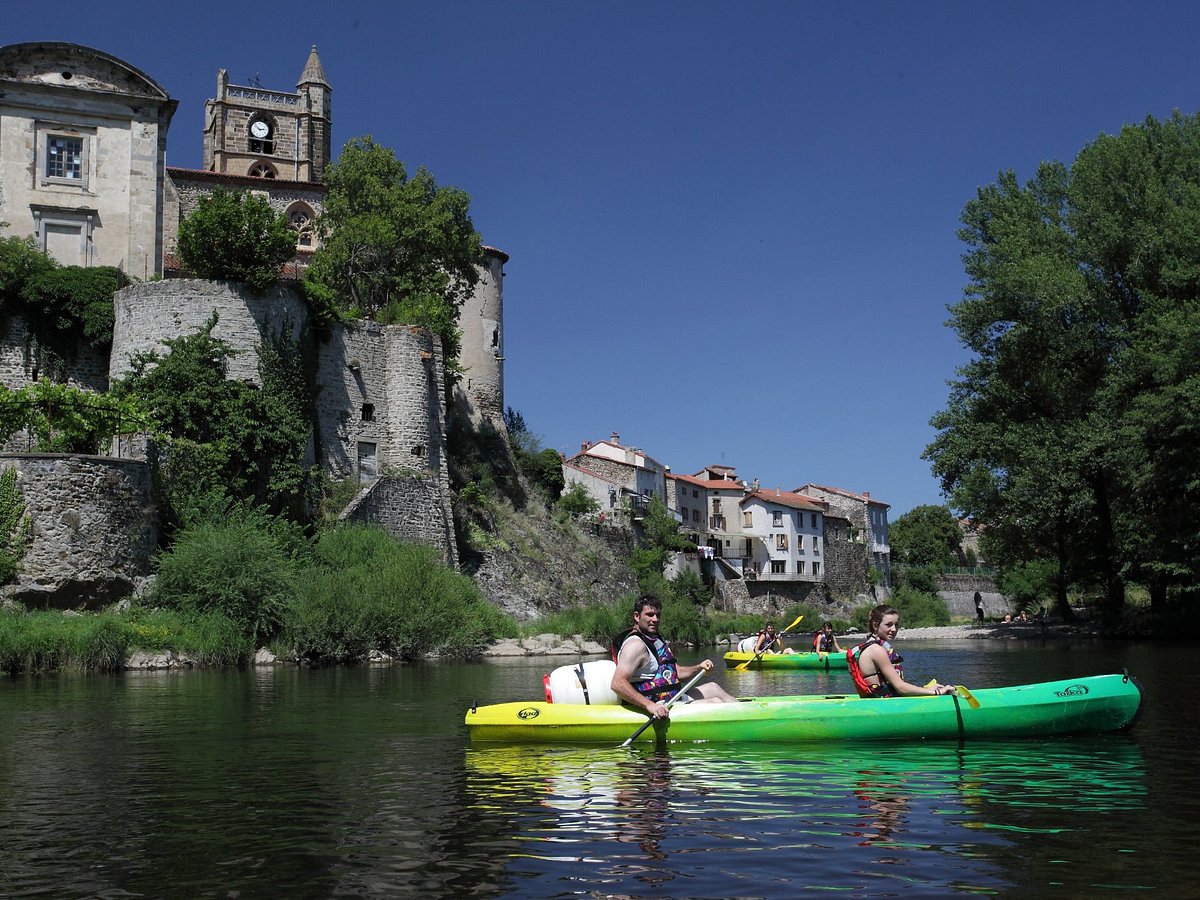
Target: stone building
[
  {"x": 82, "y": 169},
  {"x": 868, "y": 521},
  {"x": 83, "y": 140}
]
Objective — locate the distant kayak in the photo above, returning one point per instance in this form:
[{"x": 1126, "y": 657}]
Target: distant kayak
[
  {"x": 788, "y": 660},
  {"x": 1080, "y": 705}
]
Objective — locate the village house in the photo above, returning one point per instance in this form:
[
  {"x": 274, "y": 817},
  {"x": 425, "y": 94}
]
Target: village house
[
  {"x": 785, "y": 536},
  {"x": 868, "y": 522},
  {"x": 617, "y": 476}
]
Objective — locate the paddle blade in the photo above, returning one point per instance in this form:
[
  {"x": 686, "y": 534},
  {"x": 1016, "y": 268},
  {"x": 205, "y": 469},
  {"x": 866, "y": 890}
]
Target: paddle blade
[
  {"x": 799, "y": 618},
  {"x": 968, "y": 696}
]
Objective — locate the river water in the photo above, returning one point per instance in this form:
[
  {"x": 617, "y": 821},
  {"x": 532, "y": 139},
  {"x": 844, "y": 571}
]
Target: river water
[{"x": 361, "y": 782}]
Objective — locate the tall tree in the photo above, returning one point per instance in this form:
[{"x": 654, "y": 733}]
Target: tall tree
[
  {"x": 925, "y": 536},
  {"x": 394, "y": 248},
  {"x": 1078, "y": 281}
]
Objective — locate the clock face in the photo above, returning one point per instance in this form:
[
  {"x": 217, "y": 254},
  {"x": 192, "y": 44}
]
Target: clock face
[{"x": 260, "y": 129}]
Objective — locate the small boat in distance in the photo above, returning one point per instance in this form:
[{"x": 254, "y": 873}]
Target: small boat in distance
[
  {"x": 788, "y": 660},
  {"x": 1094, "y": 704}
]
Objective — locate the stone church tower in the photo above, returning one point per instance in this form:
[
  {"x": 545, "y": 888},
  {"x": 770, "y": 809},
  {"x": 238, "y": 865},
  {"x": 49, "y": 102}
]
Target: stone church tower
[{"x": 250, "y": 130}]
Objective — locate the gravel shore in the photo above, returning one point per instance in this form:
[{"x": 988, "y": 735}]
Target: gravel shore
[{"x": 986, "y": 631}]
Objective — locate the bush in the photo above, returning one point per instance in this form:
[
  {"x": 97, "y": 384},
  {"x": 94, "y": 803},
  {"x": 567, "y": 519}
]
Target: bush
[
  {"x": 576, "y": 500},
  {"x": 15, "y": 525},
  {"x": 1028, "y": 584},
  {"x": 243, "y": 566},
  {"x": 370, "y": 591},
  {"x": 238, "y": 237},
  {"x": 917, "y": 609}
]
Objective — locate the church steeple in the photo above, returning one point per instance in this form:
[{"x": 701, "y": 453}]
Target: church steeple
[
  {"x": 314, "y": 72},
  {"x": 316, "y": 117}
]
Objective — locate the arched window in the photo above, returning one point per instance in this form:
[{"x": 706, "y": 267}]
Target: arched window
[
  {"x": 300, "y": 220},
  {"x": 262, "y": 170}
]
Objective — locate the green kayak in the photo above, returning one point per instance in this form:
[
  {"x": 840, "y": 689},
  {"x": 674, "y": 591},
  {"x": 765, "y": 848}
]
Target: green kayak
[
  {"x": 1093, "y": 704},
  {"x": 787, "y": 660}
]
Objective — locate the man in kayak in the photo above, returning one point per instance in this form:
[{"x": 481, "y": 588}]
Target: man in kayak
[
  {"x": 876, "y": 667},
  {"x": 647, "y": 674}
]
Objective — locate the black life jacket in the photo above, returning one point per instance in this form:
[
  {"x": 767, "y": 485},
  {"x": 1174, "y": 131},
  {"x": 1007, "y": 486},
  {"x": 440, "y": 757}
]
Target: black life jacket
[{"x": 665, "y": 683}]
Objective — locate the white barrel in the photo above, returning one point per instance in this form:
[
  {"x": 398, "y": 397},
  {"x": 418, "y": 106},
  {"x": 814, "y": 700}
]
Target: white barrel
[
  {"x": 588, "y": 682},
  {"x": 746, "y": 645}
]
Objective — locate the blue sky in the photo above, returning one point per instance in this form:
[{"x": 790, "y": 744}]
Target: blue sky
[{"x": 732, "y": 224}]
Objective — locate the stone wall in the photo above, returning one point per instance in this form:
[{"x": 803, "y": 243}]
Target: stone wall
[
  {"x": 88, "y": 370},
  {"x": 619, "y": 473},
  {"x": 959, "y": 593},
  {"x": 413, "y": 508},
  {"x": 845, "y": 560},
  {"x": 482, "y": 325},
  {"x": 146, "y": 314},
  {"x": 93, "y": 528}
]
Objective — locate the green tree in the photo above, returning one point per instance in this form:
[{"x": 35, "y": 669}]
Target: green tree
[
  {"x": 925, "y": 536},
  {"x": 58, "y": 418},
  {"x": 227, "y": 438},
  {"x": 1080, "y": 281},
  {"x": 577, "y": 501},
  {"x": 238, "y": 237},
  {"x": 394, "y": 248}
]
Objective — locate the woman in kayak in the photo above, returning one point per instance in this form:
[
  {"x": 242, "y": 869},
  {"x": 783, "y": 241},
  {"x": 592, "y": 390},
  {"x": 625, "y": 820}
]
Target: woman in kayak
[
  {"x": 825, "y": 641},
  {"x": 877, "y": 668}
]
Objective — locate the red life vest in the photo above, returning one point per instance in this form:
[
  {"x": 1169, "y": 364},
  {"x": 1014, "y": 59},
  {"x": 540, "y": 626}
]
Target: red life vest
[{"x": 864, "y": 687}]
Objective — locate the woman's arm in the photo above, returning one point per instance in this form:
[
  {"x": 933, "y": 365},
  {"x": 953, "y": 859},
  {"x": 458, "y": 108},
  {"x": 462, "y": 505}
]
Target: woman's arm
[{"x": 887, "y": 672}]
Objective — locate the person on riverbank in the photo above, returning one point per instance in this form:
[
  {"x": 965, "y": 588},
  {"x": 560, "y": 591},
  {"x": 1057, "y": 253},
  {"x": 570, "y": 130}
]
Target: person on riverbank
[
  {"x": 978, "y": 606},
  {"x": 648, "y": 675},
  {"x": 825, "y": 641},
  {"x": 877, "y": 668}
]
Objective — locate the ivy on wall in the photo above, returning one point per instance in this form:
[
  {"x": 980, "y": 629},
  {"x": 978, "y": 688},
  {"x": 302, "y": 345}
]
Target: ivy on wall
[{"x": 15, "y": 525}]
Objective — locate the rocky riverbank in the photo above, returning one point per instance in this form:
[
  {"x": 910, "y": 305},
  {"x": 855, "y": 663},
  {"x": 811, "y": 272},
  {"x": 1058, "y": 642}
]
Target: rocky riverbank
[{"x": 575, "y": 645}]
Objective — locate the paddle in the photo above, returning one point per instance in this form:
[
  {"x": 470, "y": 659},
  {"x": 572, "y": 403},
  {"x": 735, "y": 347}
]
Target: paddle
[
  {"x": 962, "y": 692},
  {"x": 744, "y": 666},
  {"x": 968, "y": 696},
  {"x": 633, "y": 737}
]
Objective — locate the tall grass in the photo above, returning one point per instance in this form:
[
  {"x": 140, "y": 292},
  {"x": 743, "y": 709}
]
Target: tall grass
[
  {"x": 49, "y": 641},
  {"x": 368, "y": 591},
  {"x": 46, "y": 641}
]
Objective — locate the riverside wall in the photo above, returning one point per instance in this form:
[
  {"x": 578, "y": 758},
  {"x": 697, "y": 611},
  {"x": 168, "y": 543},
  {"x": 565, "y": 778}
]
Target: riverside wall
[{"x": 959, "y": 593}]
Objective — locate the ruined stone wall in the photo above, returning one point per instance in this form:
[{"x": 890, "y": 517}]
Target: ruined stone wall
[
  {"x": 482, "y": 325},
  {"x": 88, "y": 370},
  {"x": 845, "y": 561},
  {"x": 380, "y": 402},
  {"x": 93, "y": 528},
  {"x": 412, "y": 507},
  {"x": 146, "y": 314}
]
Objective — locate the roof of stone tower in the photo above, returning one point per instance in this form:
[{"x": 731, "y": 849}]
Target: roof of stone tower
[{"x": 313, "y": 71}]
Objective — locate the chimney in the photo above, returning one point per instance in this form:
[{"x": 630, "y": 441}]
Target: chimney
[
  {"x": 867, "y": 495},
  {"x": 616, "y": 439},
  {"x": 583, "y": 447}
]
